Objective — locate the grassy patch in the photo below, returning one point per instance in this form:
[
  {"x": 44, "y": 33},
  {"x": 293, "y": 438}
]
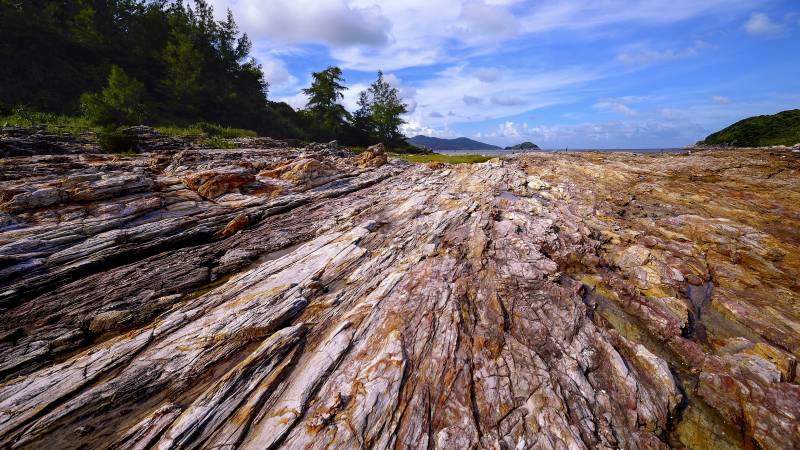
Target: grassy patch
[
  {"x": 218, "y": 142},
  {"x": 23, "y": 117},
  {"x": 205, "y": 129},
  {"x": 437, "y": 157},
  {"x": 52, "y": 123}
]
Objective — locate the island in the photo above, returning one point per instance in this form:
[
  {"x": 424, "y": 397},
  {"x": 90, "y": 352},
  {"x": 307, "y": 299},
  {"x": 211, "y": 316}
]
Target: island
[
  {"x": 524, "y": 146},
  {"x": 440, "y": 144}
]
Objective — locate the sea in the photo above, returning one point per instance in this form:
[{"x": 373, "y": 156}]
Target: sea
[{"x": 497, "y": 152}]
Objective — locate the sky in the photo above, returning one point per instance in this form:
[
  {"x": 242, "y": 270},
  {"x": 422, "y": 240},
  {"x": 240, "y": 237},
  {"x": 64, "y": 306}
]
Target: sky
[{"x": 559, "y": 73}]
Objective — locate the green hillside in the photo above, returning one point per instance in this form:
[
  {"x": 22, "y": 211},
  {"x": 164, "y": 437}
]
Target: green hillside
[
  {"x": 760, "y": 131},
  {"x": 524, "y": 146}
]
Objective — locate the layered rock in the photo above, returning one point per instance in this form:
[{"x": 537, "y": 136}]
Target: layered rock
[{"x": 312, "y": 298}]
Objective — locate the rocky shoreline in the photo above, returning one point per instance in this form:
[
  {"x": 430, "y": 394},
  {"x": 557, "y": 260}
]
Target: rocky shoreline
[{"x": 277, "y": 296}]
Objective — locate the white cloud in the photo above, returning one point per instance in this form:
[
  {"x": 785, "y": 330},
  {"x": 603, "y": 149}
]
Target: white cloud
[
  {"x": 276, "y": 74},
  {"x": 617, "y": 105},
  {"x": 760, "y": 24},
  {"x": 489, "y": 20},
  {"x": 644, "y": 57},
  {"x": 333, "y": 22},
  {"x": 392, "y": 35},
  {"x": 413, "y": 128},
  {"x": 487, "y": 75},
  {"x": 470, "y": 100},
  {"x": 457, "y": 90},
  {"x": 611, "y": 134},
  {"x": 368, "y": 35},
  {"x": 296, "y": 101},
  {"x": 720, "y": 100},
  {"x": 503, "y": 100}
]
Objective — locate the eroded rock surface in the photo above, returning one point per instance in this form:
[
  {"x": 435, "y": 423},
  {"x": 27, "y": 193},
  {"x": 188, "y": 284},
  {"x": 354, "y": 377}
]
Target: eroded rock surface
[{"x": 313, "y": 298}]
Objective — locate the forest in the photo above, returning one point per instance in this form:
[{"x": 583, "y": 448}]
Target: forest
[{"x": 160, "y": 62}]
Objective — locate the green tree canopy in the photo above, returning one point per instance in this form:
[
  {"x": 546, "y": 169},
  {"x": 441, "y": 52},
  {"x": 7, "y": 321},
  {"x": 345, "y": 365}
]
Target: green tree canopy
[
  {"x": 119, "y": 103},
  {"x": 385, "y": 108},
  {"x": 328, "y": 116},
  {"x": 191, "y": 66},
  {"x": 114, "y": 60}
]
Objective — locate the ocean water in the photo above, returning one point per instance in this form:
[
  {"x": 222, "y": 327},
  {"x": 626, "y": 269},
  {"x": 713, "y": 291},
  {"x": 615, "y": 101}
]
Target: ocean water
[{"x": 491, "y": 152}]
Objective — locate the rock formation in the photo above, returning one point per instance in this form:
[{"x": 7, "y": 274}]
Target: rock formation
[{"x": 313, "y": 298}]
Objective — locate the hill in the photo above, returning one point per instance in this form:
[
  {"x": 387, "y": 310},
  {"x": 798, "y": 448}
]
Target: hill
[
  {"x": 524, "y": 146},
  {"x": 461, "y": 143},
  {"x": 760, "y": 131}
]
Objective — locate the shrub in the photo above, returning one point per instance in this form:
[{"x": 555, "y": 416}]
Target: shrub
[
  {"x": 218, "y": 142},
  {"x": 215, "y": 130},
  {"x": 119, "y": 103},
  {"x": 205, "y": 129},
  {"x": 22, "y": 116},
  {"x": 117, "y": 141}
]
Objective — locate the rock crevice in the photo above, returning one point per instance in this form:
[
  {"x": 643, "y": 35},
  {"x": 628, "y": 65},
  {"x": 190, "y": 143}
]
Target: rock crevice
[{"x": 313, "y": 298}]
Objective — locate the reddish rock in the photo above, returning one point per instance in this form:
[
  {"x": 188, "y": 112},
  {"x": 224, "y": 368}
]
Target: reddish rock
[{"x": 305, "y": 298}]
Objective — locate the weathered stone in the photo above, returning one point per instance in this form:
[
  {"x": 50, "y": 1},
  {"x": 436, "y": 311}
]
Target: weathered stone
[
  {"x": 374, "y": 156},
  {"x": 289, "y": 297}
]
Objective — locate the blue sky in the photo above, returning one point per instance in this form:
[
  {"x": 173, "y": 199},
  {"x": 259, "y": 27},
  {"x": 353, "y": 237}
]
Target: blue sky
[{"x": 577, "y": 73}]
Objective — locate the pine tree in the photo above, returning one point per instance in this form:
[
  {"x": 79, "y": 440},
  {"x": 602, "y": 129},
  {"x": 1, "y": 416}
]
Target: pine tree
[
  {"x": 386, "y": 110},
  {"x": 183, "y": 64},
  {"x": 119, "y": 103},
  {"x": 362, "y": 119},
  {"x": 327, "y": 116}
]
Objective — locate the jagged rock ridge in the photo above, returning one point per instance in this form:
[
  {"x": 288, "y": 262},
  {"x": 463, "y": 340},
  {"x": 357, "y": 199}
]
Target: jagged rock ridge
[{"x": 313, "y": 298}]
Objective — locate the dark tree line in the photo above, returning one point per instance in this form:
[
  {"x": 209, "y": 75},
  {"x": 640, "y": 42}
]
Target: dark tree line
[{"x": 166, "y": 62}]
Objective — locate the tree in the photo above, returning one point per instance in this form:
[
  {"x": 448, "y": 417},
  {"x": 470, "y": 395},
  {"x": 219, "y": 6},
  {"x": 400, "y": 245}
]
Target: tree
[
  {"x": 363, "y": 125},
  {"x": 183, "y": 63},
  {"x": 386, "y": 109},
  {"x": 327, "y": 116},
  {"x": 119, "y": 103}
]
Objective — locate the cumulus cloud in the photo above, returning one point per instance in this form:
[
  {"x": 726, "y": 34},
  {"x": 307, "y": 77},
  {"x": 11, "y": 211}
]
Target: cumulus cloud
[
  {"x": 276, "y": 73},
  {"x": 435, "y": 114},
  {"x": 375, "y": 34},
  {"x": 760, "y": 24},
  {"x": 296, "y": 101},
  {"x": 333, "y": 22},
  {"x": 649, "y": 57},
  {"x": 491, "y": 20},
  {"x": 413, "y": 127}
]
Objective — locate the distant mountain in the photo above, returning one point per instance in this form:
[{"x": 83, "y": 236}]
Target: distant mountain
[
  {"x": 760, "y": 131},
  {"x": 462, "y": 143},
  {"x": 524, "y": 146}
]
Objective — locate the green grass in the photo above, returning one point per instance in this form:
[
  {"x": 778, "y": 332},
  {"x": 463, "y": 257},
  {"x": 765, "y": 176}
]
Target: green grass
[
  {"x": 218, "y": 142},
  {"x": 52, "y": 123},
  {"x": 205, "y": 129},
  {"x": 431, "y": 157},
  {"x": 23, "y": 117},
  {"x": 437, "y": 157}
]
